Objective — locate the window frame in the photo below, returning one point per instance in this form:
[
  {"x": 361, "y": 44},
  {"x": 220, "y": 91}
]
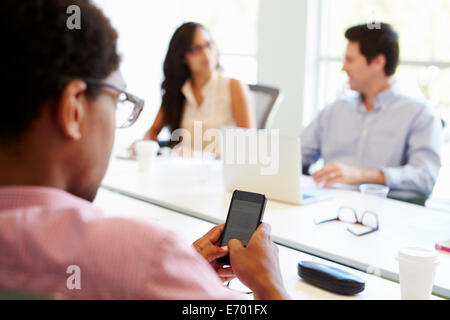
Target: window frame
[{"x": 321, "y": 59}]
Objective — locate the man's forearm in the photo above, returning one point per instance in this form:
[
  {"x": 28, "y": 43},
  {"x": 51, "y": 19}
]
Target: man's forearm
[{"x": 374, "y": 176}]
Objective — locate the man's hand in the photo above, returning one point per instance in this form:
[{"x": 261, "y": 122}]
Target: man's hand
[
  {"x": 339, "y": 173},
  {"x": 207, "y": 247},
  {"x": 257, "y": 265}
]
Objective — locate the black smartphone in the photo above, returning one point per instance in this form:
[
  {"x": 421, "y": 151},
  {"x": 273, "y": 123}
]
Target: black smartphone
[{"x": 244, "y": 216}]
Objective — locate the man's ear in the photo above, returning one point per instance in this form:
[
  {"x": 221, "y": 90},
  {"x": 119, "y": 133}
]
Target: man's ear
[
  {"x": 379, "y": 62},
  {"x": 71, "y": 110}
]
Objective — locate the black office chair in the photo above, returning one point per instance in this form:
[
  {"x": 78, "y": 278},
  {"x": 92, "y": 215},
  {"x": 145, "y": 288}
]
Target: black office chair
[
  {"x": 167, "y": 143},
  {"x": 408, "y": 196},
  {"x": 266, "y": 101}
]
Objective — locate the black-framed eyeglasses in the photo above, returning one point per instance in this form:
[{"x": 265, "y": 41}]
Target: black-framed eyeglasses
[
  {"x": 129, "y": 106},
  {"x": 368, "y": 219}
]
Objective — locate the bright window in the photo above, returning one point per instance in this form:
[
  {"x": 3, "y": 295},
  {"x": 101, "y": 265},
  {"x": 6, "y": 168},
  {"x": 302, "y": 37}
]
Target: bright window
[
  {"x": 423, "y": 27},
  {"x": 233, "y": 25}
]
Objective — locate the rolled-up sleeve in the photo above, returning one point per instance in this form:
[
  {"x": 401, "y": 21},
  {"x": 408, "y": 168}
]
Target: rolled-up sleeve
[{"x": 423, "y": 148}]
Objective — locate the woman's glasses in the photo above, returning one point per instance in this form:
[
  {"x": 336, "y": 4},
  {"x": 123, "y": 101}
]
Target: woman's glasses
[{"x": 198, "y": 48}]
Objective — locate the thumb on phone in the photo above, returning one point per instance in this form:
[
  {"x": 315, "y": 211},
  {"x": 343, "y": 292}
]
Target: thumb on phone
[{"x": 234, "y": 245}]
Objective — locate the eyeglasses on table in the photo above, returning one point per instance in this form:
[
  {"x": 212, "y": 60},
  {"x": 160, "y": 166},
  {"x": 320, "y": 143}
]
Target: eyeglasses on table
[{"x": 368, "y": 219}]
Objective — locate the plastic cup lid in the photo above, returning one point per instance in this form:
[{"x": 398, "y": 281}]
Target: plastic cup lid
[{"x": 416, "y": 254}]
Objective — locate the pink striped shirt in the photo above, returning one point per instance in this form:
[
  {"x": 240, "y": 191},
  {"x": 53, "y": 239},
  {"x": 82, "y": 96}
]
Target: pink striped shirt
[{"x": 44, "y": 230}]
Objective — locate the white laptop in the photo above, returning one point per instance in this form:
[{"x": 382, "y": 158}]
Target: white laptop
[{"x": 267, "y": 163}]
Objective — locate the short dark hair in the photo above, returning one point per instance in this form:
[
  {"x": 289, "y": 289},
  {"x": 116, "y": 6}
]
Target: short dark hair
[
  {"x": 378, "y": 39},
  {"x": 39, "y": 51}
]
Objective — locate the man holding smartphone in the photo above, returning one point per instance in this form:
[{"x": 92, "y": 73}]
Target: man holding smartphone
[
  {"x": 256, "y": 265},
  {"x": 56, "y": 135}
]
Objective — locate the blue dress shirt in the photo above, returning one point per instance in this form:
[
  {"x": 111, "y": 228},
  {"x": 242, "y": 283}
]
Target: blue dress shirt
[{"x": 402, "y": 136}]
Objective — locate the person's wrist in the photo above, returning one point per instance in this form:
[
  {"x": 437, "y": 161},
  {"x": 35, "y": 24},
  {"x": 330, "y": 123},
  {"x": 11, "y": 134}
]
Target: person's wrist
[
  {"x": 270, "y": 291},
  {"x": 372, "y": 176},
  {"x": 267, "y": 288},
  {"x": 362, "y": 176}
]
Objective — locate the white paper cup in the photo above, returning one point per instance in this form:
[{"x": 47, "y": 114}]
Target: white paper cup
[
  {"x": 146, "y": 151},
  {"x": 417, "y": 268}
]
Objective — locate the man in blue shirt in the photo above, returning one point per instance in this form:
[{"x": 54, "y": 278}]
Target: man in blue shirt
[{"x": 378, "y": 135}]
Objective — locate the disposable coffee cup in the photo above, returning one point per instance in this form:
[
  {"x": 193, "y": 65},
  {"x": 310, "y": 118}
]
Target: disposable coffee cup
[
  {"x": 417, "y": 267},
  {"x": 146, "y": 151}
]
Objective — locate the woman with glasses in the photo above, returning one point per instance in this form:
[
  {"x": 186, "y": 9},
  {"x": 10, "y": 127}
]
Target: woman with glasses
[{"x": 196, "y": 96}]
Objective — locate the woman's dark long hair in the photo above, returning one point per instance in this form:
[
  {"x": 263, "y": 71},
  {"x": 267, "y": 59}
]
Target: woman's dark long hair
[{"x": 176, "y": 72}]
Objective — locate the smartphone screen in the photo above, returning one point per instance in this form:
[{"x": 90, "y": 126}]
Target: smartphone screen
[{"x": 244, "y": 218}]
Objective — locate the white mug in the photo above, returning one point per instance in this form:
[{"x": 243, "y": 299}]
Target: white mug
[{"x": 146, "y": 151}]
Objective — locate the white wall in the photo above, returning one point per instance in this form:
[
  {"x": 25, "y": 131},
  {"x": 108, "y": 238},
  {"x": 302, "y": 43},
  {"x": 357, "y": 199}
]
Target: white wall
[
  {"x": 145, "y": 28},
  {"x": 281, "y": 57}
]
